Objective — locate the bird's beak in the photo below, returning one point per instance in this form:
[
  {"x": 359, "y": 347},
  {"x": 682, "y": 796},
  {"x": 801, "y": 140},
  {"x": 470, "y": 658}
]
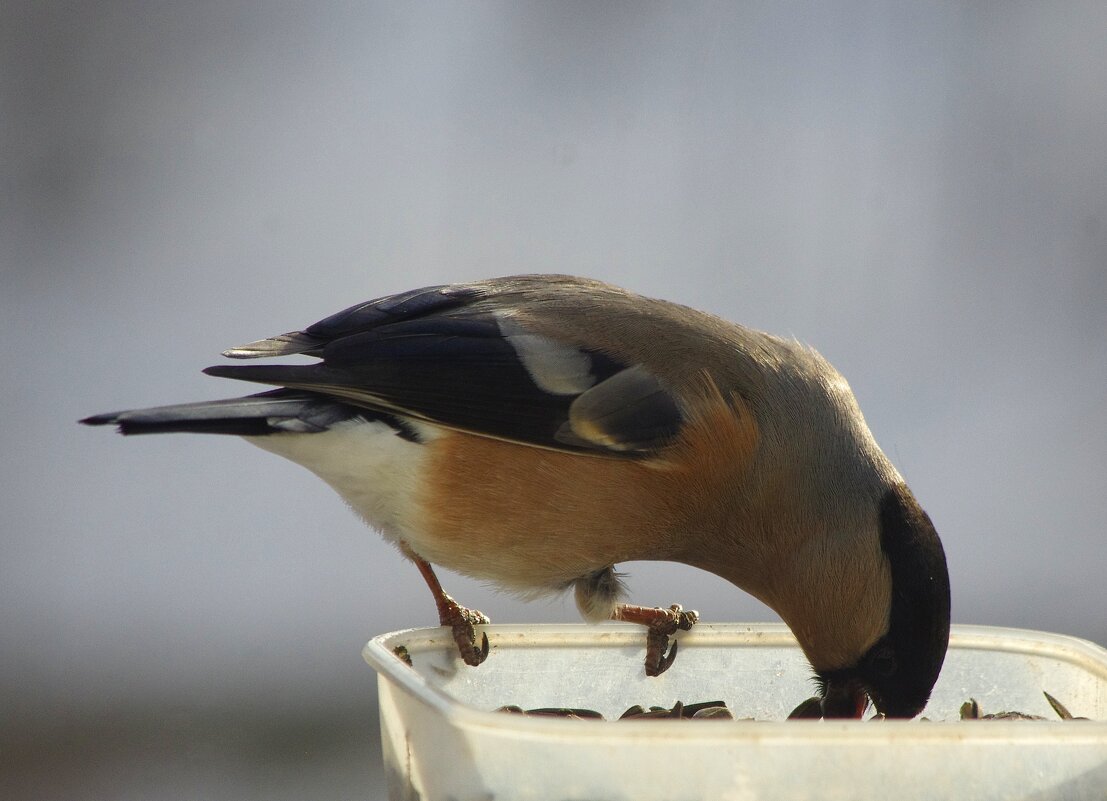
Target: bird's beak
[{"x": 846, "y": 699}]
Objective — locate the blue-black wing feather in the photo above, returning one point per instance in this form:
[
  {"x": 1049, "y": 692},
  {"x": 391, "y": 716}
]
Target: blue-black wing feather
[{"x": 438, "y": 354}]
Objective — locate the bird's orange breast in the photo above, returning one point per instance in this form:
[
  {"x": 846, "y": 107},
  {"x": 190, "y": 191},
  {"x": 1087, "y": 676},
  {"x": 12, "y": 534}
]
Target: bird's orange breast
[{"x": 532, "y": 518}]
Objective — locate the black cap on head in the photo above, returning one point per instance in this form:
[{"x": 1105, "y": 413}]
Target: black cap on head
[{"x": 899, "y": 671}]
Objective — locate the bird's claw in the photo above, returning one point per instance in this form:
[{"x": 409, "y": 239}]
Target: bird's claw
[
  {"x": 466, "y": 645},
  {"x": 657, "y": 660},
  {"x": 461, "y": 622},
  {"x": 668, "y": 622}
]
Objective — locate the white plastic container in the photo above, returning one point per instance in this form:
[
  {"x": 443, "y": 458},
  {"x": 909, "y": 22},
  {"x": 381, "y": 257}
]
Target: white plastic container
[{"x": 442, "y": 740}]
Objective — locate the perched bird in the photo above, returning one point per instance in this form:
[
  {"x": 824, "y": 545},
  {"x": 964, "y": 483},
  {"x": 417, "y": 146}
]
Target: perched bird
[{"x": 535, "y": 431}]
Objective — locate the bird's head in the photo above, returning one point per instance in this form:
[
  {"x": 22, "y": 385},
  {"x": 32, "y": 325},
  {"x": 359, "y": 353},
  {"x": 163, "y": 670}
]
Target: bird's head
[{"x": 898, "y": 671}]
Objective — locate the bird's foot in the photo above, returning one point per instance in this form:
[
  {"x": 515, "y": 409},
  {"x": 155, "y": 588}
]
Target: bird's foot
[
  {"x": 658, "y": 631},
  {"x": 462, "y": 621},
  {"x": 660, "y": 625}
]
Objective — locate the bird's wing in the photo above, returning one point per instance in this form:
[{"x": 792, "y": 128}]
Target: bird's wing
[
  {"x": 278, "y": 410},
  {"x": 461, "y": 357}
]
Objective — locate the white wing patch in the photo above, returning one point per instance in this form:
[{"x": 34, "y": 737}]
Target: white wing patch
[{"x": 553, "y": 366}]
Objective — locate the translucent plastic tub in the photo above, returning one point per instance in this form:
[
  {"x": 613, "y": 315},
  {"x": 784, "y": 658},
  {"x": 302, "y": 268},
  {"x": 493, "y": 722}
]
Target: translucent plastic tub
[{"x": 443, "y": 740}]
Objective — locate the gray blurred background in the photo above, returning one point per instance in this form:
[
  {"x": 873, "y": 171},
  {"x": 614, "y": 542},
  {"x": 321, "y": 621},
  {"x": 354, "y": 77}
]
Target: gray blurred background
[{"x": 918, "y": 190}]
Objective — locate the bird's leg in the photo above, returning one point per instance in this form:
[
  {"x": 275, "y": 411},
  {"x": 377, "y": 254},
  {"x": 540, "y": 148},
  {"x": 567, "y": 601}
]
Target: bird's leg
[
  {"x": 450, "y": 613},
  {"x": 660, "y": 625}
]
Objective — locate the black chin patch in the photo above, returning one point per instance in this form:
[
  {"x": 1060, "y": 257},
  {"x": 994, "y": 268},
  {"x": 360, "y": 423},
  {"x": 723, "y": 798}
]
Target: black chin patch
[
  {"x": 903, "y": 666},
  {"x": 898, "y": 672}
]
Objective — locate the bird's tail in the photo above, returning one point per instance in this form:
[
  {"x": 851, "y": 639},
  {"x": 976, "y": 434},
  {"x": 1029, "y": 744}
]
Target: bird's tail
[{"x": 280, "y": 410}]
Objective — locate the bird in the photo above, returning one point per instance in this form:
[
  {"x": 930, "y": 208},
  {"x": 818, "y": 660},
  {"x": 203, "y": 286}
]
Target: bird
[{"x": 536, "y": 431}]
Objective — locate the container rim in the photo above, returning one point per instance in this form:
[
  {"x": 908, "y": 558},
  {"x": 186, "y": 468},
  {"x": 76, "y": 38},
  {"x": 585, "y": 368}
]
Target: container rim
[{"x": 378, "y": 653}]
